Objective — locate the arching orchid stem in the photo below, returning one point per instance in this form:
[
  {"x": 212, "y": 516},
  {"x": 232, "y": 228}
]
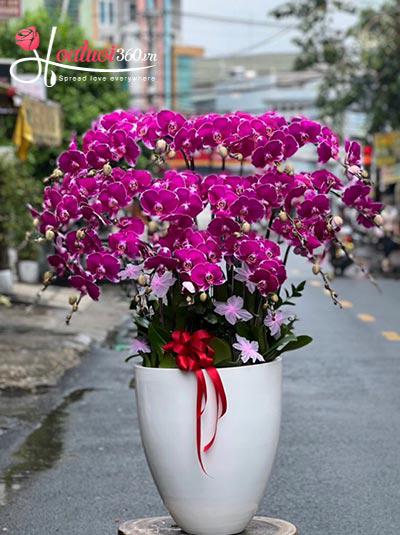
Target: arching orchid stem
[
  {"x": 328, "y": 287},
  {"x": 285, "y": 258},
  {"x": 360, "y": 266},
  {"x": 185, "y": 158},
  {"x": 161, "y": 308},
  {"x": 74, "y": 308},
  {"x": 223, "y": 164}
]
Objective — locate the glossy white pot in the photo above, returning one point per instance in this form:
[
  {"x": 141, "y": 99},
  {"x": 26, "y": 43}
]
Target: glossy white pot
[
  {"x": 28, "y": 271},
  {"x": 240, "y": 461}
]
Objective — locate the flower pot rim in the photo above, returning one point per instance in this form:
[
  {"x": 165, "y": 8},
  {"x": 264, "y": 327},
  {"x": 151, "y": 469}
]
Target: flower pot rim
[{"x": 232, "y": 369}]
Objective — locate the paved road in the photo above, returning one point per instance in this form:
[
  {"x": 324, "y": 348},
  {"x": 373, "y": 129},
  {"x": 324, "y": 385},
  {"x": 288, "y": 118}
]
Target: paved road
[{"x": 338, "y": 468}]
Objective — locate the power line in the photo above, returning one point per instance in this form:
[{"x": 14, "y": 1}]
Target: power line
[{"x": 221, "y": 19}]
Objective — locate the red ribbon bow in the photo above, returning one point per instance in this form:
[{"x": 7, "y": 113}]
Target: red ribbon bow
[{"x": 193, "y": 355}]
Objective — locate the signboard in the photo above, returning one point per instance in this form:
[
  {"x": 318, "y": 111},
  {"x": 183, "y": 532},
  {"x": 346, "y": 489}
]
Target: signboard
[
  {"x": 10, "y": 8},
  {"x": 387, "y": 156},
  {"x": 36, "y": 90}
]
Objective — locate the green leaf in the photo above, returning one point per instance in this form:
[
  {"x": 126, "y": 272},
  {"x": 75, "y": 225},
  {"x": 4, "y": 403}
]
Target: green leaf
[
  {"x": 223, "y": 351},
  {"x": 168, "y": 361},
  {"x": 301, "y": 341}
]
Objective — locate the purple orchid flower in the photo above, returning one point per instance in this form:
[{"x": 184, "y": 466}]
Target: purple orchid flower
[
  {"x": 72, "y": 161},
  {"x": 159, "y": 203},
  {"x": 248, "y": 209},
  {"x": 84, "y": 283},
  {"x": 124, "y": 242},
  {"x": 274, "y": 320},
  {"x": 103, "y": 266},
  {"x": 207, "y": 274}
]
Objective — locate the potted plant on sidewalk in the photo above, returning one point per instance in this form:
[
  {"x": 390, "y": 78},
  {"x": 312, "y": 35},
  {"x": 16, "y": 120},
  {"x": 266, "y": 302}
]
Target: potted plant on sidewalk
[{"x": 205, "y": 272}]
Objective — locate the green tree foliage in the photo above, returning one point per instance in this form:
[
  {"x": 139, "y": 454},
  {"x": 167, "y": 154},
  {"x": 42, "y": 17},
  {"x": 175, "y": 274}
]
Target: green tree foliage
[
  {"x": 360, "y": 64},
  {"x": 81, "y": 102}
]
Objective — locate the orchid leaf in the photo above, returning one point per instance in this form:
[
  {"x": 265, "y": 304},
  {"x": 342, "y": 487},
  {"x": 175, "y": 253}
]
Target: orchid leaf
[{"x": 223, "y": 351}]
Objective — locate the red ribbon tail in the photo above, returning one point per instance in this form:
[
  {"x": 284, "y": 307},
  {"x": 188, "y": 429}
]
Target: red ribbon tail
[
  {"x": 201, "y": 394},
  {"x": 221, "y": 401}
]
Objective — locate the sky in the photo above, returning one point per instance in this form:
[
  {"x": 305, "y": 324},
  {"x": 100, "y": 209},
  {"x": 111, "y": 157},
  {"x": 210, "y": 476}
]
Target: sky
[{"x": 220, "y": 38}]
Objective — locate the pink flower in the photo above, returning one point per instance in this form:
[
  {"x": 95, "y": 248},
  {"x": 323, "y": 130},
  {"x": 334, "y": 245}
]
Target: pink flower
[
  {"x": 248, "y": 349},
  {"x": 233, "y": 310},
  {"x": 131, "y": 272},
  {"x": 139, "y": 345},
  {"x": 274, "y": 321},
  {"x": 160, "y": 284},
  {"x": 206, "y": 274},
  {"x": 243, "y": 275}
]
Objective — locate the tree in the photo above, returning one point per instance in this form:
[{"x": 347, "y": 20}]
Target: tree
[
  {"x": 81, "y": 102},
  {"x": 360, "y": 64}
]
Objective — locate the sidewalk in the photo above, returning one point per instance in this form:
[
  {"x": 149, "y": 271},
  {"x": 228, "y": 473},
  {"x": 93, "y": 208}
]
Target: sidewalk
[{"x": 37, "y": 347}]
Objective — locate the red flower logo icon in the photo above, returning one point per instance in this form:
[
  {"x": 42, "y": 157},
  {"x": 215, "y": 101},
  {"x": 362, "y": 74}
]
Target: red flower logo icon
[{"x": 28, "y": 38}]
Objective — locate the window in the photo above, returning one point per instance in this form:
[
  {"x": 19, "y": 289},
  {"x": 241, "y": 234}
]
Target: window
[
  {"x": 132, "y": 10},
  {"x": 111, "y": 12},
  {"x": 103, "y": 17}
]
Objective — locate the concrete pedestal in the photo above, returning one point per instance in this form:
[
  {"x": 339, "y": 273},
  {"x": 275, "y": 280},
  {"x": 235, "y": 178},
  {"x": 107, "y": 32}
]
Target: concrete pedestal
[{"x": 164, "y": 525}]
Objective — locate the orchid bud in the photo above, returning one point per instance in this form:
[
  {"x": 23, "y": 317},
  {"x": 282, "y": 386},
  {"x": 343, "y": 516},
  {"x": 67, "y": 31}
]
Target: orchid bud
[
  {"x": 189, "y": 300},
  {"x": 47, "y": 277},
  {"x": 107, "y": 169},
  {"x": 239, "y": 156},
  {"x": 203, "y": 297},
  {"x": 72, "y": 299},
  {"x": 274, "y": 298},
  {"x": 154, "y": 158},
  {"x": 80, "y": 234},
  {"x": 50, "y": 235},
  {"x": 265, "y": 306},
  {"x": 92, "y": 172},
  {"x": 171, "y": 154},
  {"x": 75, "y": 307},
  {"x": 289, "y": 169},
  {"x": 378, "y": 220},
  {"x": 142, "y": 280},
  {"x": 354, "y": 169},
  {"x": 364, "y": 173},
  {"x": 283, "y": 216},
  {"x": 298, "y": 224},
  {"x": 222, "y": 151},
  {"x": 57, "y": 173},
  {"x": 36, "y": 222},
  {"x": 153, "y": 226},
  {"x": 280, "y": 168},
  {"x": 316, "y": 269},
  {"x": 161, "y": 146},
  {"x": 246, "y": 227},
  {"x": 337, "y": 221}
]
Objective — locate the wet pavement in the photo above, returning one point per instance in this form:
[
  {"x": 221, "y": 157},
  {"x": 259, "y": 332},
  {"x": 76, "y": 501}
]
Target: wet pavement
[{"x": 78, "y": 467}]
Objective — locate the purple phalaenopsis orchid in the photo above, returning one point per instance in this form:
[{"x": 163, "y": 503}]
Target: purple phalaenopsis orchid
[{"x": 200, "y": 252}]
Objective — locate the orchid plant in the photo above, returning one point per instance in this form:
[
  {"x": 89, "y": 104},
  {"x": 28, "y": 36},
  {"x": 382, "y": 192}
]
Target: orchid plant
[{"x": 203, "y": 253}]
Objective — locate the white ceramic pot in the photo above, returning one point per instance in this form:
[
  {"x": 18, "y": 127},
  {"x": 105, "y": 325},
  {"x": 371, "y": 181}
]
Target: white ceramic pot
[
  {"x": 6, "y": 281},
  {"x": 240, "y": 461},
  {"x": 28, "y": 271}
]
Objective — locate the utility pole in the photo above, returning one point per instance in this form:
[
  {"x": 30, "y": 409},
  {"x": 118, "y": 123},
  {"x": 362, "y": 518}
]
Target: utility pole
[{"x": 150, "y": 20}]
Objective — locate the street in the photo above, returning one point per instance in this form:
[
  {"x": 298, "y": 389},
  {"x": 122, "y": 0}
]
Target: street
[{"x": 338, "y": 465}]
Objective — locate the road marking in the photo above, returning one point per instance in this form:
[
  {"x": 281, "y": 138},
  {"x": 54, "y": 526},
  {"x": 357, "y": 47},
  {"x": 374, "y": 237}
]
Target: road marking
[
  {"x": 315, "y": 283},
  {"x": 346, "y": 304},
  {"x": 392, "y": 336},
  {"x": 366, "y": 317}
]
